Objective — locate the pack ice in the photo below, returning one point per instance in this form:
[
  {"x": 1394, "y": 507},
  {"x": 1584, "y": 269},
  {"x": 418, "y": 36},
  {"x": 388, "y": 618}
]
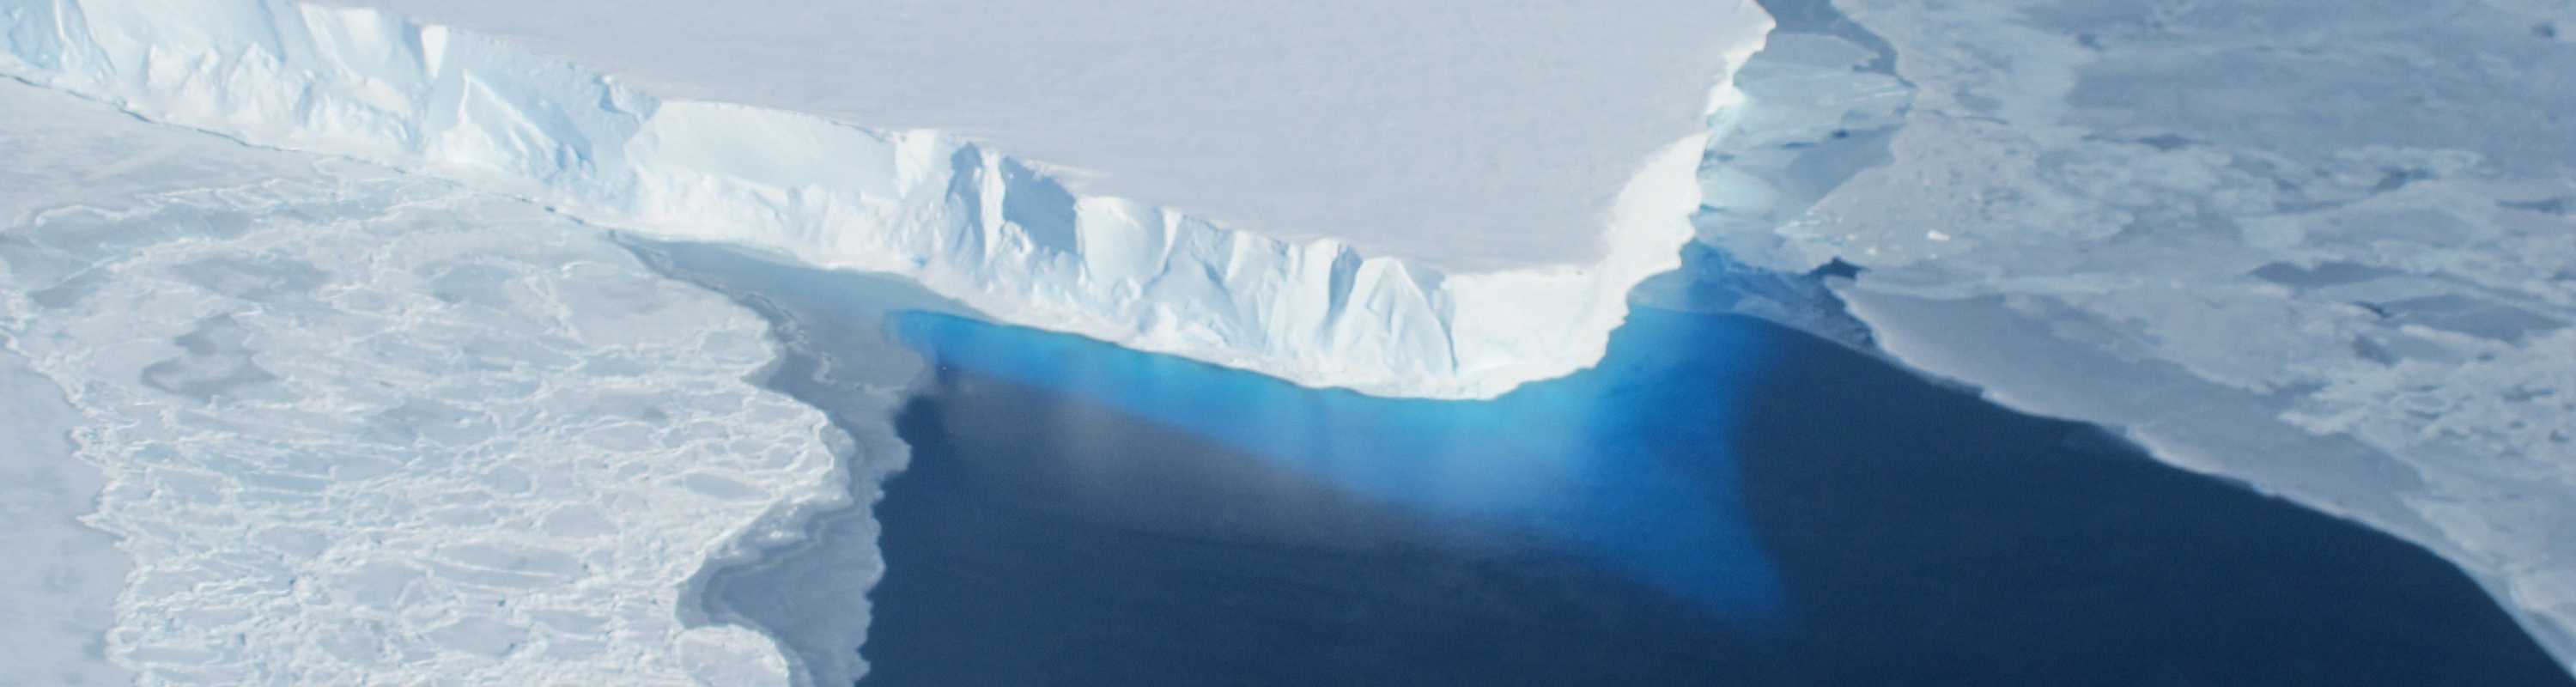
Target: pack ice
[
  {"x": 1450, "y": 198},
  {"x": 356, "y": 427},
  {"x": 2321, "y": 246}
]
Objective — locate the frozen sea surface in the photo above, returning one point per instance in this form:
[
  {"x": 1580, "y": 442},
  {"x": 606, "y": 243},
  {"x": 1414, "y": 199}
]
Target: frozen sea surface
[
  {"x": 59, "y": 583},
  {"x": 357, "y": 427},
  {"x": 810, "y": 591},
  {"x": 2319, "y": 246},
  {"x": 2171, "y": 217}
]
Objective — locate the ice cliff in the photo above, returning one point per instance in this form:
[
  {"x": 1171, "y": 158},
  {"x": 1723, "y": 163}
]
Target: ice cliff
[{"x": 965, "y": 220}]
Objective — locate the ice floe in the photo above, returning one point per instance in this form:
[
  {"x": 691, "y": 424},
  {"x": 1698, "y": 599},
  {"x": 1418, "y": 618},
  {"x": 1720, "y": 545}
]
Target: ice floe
[
  {"x": 2322, "y": 247},
  {"x": 359, "y": 427}
]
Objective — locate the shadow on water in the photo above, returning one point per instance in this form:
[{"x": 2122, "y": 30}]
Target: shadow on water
[{"x": 1723, "y": 502}]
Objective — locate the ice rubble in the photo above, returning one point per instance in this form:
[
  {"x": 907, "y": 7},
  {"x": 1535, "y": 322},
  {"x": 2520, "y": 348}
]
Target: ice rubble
[
  {"x": 994, "y": 232},
  {"x": 365, "y": 428},
  {"x": 2317, "y": 245}
]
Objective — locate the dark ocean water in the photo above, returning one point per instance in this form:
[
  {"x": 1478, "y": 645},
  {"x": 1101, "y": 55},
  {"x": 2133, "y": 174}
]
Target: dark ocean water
[{"x": 1722, "y": 502}]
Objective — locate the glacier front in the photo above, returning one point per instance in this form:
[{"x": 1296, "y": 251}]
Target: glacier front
[
  {"x": 1012, "y": 237},
  {"x": 2120, "y": 211}
]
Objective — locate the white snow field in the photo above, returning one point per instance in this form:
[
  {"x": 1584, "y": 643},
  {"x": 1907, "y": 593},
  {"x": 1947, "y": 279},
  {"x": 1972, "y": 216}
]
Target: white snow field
[
  {"x": 2322, "y": 246},
  {"x": 459, "y": 438},
  {"x": 358, "y": 427},
  {"x": 1461, "y": 135},
  {"x": 62, "y": 576},
  {"x": 1513, "y": 169}
]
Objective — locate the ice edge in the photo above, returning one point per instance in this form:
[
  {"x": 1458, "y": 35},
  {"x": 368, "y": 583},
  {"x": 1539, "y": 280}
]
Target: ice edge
[{"x": 964, "y": 220}]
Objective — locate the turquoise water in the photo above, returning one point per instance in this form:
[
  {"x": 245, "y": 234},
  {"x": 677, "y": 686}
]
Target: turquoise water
[
  {"x": 1721, "y": 502},
  {"x": 1595, "y": 461}
]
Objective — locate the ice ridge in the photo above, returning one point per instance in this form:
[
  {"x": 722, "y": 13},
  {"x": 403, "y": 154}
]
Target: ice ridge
[{"x": 996, "y": 233}]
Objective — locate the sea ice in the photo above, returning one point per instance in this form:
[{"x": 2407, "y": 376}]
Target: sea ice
[
  {"x": 2318, "y": 246},
  {"x": 62, "y": 576},
  {"x": 359, "y": 427}
]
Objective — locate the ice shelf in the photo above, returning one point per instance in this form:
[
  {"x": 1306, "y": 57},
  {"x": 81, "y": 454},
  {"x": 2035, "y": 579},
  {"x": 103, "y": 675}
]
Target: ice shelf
[
  {"x": 1002, "y": 234},
  {"x": 1462, "y": 135}
]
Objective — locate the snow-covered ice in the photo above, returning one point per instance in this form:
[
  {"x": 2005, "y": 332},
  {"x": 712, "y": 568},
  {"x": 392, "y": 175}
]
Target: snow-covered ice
[
  {"x": 62, "y": 576},
  {"x": 999, "y": 233},
  {"x": 359, "y": 427},
  {"x": 1462, "y": 135},
  {"x": 371, "y": 408},
  {"x": 2320, "y": 246}
]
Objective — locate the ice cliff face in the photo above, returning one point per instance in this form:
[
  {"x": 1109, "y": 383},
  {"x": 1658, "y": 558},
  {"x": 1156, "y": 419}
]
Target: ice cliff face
[{"x": 966, "y": 221}]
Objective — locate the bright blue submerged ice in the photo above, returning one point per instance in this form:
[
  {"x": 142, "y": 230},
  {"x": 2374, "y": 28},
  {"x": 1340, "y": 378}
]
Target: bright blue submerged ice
[{"x": 1628, "y": 463}]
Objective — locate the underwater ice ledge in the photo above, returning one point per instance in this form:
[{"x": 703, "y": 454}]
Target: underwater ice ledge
[
  {"x": 1629, "y": 464},
  {"x": 966, "y": 221}
]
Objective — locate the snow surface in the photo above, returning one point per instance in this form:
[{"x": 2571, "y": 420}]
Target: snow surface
[
  {"x": 992, "y": 231},
  {"x": 811, "y": 592},
  {"x": 456, "y": 435},
  {"x": 1462, "y": 135},
  {"x": 62, "y": 576},
  {"x": 358, "y": 427},
  {"x": 2321, "y": 246}
]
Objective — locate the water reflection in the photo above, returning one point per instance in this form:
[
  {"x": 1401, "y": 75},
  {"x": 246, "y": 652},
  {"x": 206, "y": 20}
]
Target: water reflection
[{"x": 1629, "y": 463}]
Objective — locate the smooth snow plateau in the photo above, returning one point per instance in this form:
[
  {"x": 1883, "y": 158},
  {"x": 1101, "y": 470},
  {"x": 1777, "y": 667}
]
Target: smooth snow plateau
[{"x": 1462, "y": 135}]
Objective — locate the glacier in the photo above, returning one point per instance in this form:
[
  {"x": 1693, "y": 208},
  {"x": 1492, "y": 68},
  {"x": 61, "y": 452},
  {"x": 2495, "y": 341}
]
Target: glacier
[
  {"x": 2102, "y": 210},
  {"x": 1461, "y": 135},
  {"x": 231, "y": 414},
  {"x": 1000, "y": 234}
]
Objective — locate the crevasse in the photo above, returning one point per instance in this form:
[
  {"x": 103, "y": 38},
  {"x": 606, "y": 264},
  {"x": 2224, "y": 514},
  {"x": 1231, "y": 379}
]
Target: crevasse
[{"x": 966, "y": 221}]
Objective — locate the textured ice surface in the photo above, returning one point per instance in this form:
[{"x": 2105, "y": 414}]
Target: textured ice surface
[
  {"x": 362, "y": 428},
  {"x": 993, "y": 231},
  {"x": 60, "y": 579},
  {"x": 812, "y": 592},
  {"x": 1460, "y": 134},
  {"x": 2320, "y": 246}
]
